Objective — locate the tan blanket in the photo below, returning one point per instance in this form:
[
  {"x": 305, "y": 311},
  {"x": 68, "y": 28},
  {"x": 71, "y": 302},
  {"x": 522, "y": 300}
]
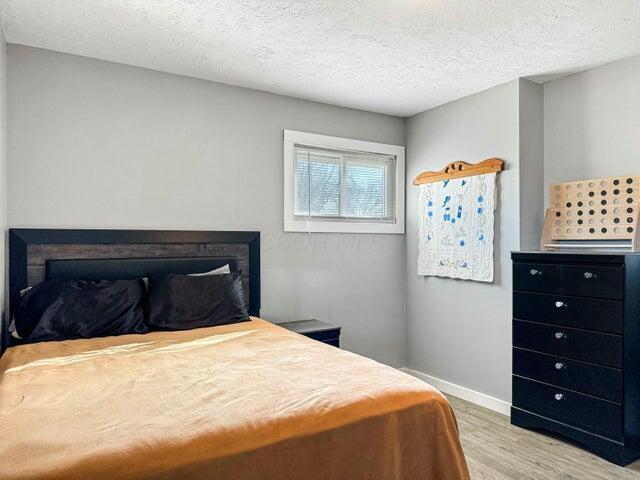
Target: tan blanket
[{"x": 243, "y": 401}]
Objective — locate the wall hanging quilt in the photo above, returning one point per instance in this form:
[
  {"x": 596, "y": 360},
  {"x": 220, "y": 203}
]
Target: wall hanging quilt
[{"x": 456, "y": 228}]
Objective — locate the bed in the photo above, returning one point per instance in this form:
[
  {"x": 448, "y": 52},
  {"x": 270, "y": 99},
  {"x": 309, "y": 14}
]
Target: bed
[{"x": 244, "y": 401}]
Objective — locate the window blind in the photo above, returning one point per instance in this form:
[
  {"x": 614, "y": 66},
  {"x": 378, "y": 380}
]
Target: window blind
[{"x": 344, "y": 185}]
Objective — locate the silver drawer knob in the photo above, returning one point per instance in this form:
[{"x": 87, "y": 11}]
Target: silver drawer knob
[
  {"x": 560, "y": 335},
  {"x": 559, "y": 396},
  {"x": 559, "y": 365},
  {"x": 533, "y": 271},
  {"x": 560, "y": 304},
  {"x": 589, "y": 275}
]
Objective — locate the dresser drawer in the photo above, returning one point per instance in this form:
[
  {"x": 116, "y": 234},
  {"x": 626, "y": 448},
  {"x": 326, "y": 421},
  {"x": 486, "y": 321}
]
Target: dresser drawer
[
  {"x": 536, "y": 277},
  {"x": 586, "y": 313},
  {"x": 592, "y": 281},
  {"x": 599, "y": 348},
  {"x": 603, "y": 382},
  {"x": 560, "y": 403},
  {"x": 330, "y": 337}
]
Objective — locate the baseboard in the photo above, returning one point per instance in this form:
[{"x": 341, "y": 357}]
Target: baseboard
[{"x": 464, "y": 393}]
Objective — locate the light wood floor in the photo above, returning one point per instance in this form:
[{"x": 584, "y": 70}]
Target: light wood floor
[{"x": 496, "y": 450}]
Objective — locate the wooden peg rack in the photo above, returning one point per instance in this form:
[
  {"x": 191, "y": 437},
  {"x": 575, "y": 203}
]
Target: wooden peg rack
[
  {"x": 459, "y": 170},
  {"x": 601, "y": 213}
]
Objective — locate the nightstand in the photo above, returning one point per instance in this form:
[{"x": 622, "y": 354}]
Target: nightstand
[{"x": 316, "y": 329}]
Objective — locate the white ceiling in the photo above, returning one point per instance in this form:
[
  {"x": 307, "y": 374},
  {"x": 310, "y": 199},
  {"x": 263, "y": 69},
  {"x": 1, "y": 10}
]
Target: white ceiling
[{"x": 393, "y": 56}]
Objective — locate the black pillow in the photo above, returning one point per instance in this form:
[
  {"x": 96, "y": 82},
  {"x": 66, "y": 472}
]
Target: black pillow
[
  {"x": 67, "y": 309},
  {"x": 181, "y": 302}
]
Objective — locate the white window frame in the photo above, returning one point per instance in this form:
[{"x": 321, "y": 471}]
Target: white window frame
[{"x": 295, "y": 224}]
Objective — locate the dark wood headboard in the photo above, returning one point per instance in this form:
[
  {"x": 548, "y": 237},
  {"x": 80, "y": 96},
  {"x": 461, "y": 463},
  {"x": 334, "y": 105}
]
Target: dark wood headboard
[{"x": 31, "y": 249}]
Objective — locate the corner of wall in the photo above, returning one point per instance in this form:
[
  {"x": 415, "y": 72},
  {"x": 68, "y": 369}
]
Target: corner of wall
[
  {"x": 405, "y": 286},
  {"x": 531, "y": 164},
  {"x": 3, "y": 181}
]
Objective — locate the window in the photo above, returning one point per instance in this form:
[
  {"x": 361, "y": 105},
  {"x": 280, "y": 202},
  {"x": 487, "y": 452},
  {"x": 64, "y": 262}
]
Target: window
[{"x": 340, "y": 185}]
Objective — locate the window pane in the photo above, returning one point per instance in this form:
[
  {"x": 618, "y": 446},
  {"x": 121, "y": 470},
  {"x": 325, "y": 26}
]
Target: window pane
[
  {"x": 301, "y": 180},
  {"x": 324, "y": 186},
  {"x": 344, "y": 184},
  {"x": 366, "y": 190},
  {"x": 317, "y": 183},
  {"x": 370, "y": 187}
]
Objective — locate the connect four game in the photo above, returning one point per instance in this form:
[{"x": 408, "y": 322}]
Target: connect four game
[{"x": 590, "y": 212}]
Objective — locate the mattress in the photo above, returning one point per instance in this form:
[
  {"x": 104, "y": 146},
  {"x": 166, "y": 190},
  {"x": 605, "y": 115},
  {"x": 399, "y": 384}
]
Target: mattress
[{"x": 243, "y": 401}]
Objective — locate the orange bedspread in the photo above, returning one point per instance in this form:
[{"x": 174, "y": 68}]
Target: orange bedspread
[{"x": 243, "y": 401}]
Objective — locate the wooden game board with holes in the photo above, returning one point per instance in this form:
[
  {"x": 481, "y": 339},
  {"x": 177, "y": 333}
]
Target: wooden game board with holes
[{"x": 597, "y": 209}]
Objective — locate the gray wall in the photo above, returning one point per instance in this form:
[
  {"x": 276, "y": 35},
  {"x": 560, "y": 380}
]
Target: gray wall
[
  {"x": 592, "y": 123},
  {"x": 3, "y": 182},
  {"x": 98, "y": 144},
  {"x": 531, "y": 148},
  {"x": 460, "y": 331}
]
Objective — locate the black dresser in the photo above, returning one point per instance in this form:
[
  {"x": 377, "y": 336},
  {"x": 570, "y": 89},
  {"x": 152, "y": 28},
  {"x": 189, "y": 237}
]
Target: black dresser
[{"x": 576, "y": 349}]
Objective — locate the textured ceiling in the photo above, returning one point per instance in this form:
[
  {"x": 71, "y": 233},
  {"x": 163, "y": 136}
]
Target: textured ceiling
[{"x": 393, "y": 56}]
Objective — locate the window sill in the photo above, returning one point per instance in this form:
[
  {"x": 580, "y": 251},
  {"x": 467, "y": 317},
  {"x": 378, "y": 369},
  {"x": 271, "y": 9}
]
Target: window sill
[{"x": 343, "y": 227}]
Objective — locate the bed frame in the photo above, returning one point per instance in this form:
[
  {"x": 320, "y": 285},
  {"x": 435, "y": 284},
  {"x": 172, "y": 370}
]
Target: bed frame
[{"x": 39, "y": 254}]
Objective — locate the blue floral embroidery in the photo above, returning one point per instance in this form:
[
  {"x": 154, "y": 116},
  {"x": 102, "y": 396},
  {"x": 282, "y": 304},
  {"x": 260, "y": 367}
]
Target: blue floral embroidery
[{"x": 464, "y": 215}]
